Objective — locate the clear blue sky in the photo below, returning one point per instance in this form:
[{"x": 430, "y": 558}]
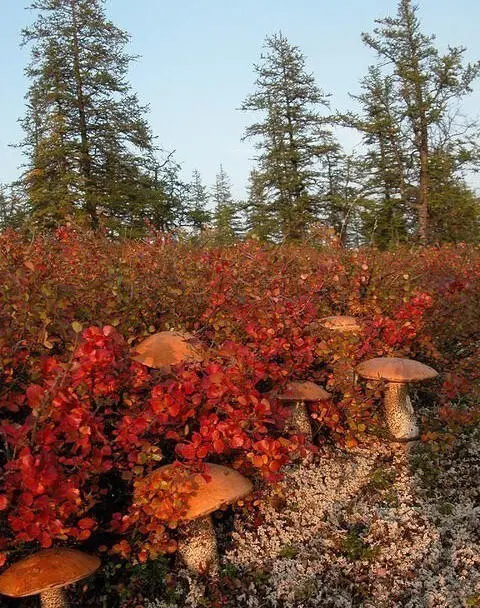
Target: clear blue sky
[{"x": 196, "y": 65}]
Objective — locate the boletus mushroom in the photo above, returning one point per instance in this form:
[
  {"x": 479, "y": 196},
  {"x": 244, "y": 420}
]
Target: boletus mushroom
[
  {"x": 47, "y": 573},
  {"x": 341, "y": 323},
  {"x": 398, "y": 373},
  {"x": 198, "y": 546},
  {"x": 167, "y": 348},
  {"x": 297, "y": 394}
]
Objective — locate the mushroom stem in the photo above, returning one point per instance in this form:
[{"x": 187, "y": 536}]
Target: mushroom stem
[
  {"x": 399, "y": 412},
  {"x": 300, "y": 420},
  {"x": 54, "y": 598},
  {"x": 198, "y": 547}
]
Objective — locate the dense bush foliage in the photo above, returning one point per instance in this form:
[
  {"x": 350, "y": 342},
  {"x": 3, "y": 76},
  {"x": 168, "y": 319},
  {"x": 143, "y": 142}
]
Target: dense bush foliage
[{"x": 81, "y": 424}]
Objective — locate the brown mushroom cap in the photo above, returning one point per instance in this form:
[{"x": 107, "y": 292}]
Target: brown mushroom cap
[
  {"x": 341, "y": 323},
  {"x": 225, "y": 487},
  {"x": 167, "y": 348},
  {"x": 46, "y": 570},
  {"x": 395, "y": 369},
  {"x": 304, "y": 391}
]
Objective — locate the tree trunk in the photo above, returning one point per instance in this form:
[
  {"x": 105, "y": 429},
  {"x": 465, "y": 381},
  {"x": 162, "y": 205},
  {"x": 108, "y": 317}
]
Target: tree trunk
[
  {"x": 420, "y": 129},
  {"x": 423, "y": 188},
  {"x": 85, "y": 159},
  {"x": 298, "y": 223}
]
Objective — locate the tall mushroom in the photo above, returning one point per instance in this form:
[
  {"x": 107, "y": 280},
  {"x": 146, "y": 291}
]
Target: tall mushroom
[
  {"x": 398, "y": 373},
  {"x": 297, "y": 394},
  {"x": 343, "y": 324},
  {"x": 47, "y": 573},
  {"x": 167, "y": 348},
  {"x": 198, "y": 546}
]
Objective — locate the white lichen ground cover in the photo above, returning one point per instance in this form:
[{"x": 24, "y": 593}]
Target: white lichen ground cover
[{"x": 388, "y": 526}]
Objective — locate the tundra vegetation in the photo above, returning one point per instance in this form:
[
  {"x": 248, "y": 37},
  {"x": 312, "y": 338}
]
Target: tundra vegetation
[{"x": 264, "y": 310}]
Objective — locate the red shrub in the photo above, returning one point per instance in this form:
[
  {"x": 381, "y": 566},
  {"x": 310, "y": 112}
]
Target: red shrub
[{"x": 81, "y": 423}]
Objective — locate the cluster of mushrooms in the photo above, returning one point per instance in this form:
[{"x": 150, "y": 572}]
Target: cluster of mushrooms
[{"x": 47, "y": 572}]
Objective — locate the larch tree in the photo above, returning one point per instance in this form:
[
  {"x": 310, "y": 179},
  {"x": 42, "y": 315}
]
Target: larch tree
[
  {"x": 226, "y": 220},
  {"x": 291, "y": 135},
  {"x": 387, "y": 165},
  {"x": 168, "y": 205},
  {"x": 428, "y": 85},
  {"x": 198, "y": 214},
  {"x": 13, "y": 207},
  {"x": 261, "y": 219},
  {"x": 86, "y": 133},
  {"x": 453, "y": 207},
  {"x": 163, "y": 203},
  {"x": 345, "y": 194},
  {"x": 6, "y": 208}
]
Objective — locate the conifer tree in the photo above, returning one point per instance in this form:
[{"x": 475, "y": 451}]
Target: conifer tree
[
  {"x": 170, "y": 196},
  {"x": 386, "y": 164},
  {"x": 6, "y": 210},
  {"x": 346, "y": 194},
  {"x": 198, "y": 215},
  {"x": 291, "y": 136},
  {"x": 427, "y": 84},
  {"x": 13, "y": 205},
  {"x": 454, "y": 210},
  {"x": 226, "y": 220},
  {"x": 261, "y": 220},
  {"x": 86, "y": 133}
]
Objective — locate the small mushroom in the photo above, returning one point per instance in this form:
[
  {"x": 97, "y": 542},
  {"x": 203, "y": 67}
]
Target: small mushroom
[
  {"x": 398, "y": 373},
  {"x": 167, "y": 348},
  {"x": 198, "y": 546},
  {"x": 297, "y": 393},
  {"x": 345, "y": 325},
  {"x": 47, "y": 573},
  {"x": 342, "y": 323}
]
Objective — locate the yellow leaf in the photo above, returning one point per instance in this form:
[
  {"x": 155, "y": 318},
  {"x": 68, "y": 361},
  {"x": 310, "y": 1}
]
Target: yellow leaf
[
  {"x": 351, "y": 442},
  {"x": 77, "y": 327}
]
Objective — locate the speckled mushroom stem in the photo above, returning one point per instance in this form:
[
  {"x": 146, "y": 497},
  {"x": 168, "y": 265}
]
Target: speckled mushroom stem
[
  {"x": 54, "y": 598},
  {"x": 300, "y": 420},
  {"x": 399, "y": 412},
  {"x": 198, "y": 547}
]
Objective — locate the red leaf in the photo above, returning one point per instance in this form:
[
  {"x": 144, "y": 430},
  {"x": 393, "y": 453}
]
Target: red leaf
[
  {"x": 202, "y": 452},
  {"x": 84, "y": 534},
  {"x": 186, "y": 451},
  {"x": 35, "y": 394},
  {"x": 218, "y": 446},
  {"x": 45, "y": 540}
]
